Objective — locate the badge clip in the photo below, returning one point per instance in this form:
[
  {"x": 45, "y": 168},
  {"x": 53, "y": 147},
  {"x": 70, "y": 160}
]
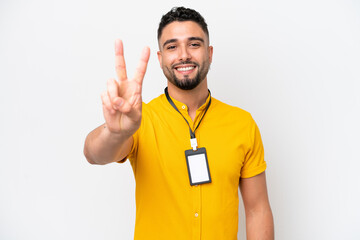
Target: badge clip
[{"x": 193, "y": 143}]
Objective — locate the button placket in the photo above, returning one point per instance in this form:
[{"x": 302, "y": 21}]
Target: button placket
[{"x": 196, "y": 211}]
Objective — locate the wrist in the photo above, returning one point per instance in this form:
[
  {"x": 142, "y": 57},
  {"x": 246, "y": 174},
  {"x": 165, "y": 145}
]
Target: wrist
[{"x": 115, "y": 136}]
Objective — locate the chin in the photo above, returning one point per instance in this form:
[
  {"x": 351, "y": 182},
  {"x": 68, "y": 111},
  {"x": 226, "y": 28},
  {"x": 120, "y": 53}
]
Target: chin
[{"x": 187, "y": 84}]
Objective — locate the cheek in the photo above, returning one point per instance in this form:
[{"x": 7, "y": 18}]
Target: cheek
[
  {"x": 201, "y": 56},
  {"x": 167, "y": 61}
]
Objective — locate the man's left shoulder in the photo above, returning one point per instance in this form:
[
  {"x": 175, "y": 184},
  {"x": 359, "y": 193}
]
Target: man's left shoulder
[{"x": 227, "y": 110}]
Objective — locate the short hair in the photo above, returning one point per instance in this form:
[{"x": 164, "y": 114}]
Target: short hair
[{"x": 182, "y": 14}]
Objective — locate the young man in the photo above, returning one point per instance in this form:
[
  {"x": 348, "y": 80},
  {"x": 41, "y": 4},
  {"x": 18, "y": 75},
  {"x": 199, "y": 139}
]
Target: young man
[{"x": 189, "y": 151}]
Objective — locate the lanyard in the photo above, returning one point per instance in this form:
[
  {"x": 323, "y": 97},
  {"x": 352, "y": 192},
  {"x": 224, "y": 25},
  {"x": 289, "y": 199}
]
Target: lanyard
[{"x": 193, "y": 140}]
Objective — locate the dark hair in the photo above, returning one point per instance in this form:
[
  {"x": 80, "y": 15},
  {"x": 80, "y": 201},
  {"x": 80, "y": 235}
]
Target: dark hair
[{"x": 182, "y": 14}]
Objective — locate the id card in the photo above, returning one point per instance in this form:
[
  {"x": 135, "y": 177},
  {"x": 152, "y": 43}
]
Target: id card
[{"x": 198, "y": 167}]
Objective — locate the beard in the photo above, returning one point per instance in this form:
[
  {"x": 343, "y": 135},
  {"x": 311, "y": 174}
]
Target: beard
[{"x": 187, "y": 83}]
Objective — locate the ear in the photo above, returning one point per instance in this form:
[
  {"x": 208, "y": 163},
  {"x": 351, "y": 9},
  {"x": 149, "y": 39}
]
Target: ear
[
  {"x": 210, "y": 52},
  {"x": 159, "y": 54}
]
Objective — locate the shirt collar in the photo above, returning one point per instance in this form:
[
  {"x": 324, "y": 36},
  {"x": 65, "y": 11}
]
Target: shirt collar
[{"x": 182, "y": 106}]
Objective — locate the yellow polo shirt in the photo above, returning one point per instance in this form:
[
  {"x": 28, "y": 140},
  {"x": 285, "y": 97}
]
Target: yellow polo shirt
[{"x": 167, "y": 206}]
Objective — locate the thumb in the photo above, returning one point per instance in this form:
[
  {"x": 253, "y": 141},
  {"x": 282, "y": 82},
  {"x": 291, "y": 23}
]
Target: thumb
[{"x": 126, "y": 108}]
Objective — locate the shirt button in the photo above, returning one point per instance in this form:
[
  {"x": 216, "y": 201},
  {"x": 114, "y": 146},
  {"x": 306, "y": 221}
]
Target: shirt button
[
  {"x": 196, "y": 214},
  {"x": 183, "y": 107}
]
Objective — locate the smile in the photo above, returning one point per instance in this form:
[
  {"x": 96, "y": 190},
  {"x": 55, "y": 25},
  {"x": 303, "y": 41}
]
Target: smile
[{"x": 183, "y": 69}]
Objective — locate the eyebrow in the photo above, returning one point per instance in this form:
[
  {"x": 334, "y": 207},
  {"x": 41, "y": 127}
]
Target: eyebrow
[
  {"x": 196, "y": 38},
  {"x": 189, "y": 39}
]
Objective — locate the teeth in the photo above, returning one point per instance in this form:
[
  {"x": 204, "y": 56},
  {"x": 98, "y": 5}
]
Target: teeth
[{"x": 182, "y": 69}]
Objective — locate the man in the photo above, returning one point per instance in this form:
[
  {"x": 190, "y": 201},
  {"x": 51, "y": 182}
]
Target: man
[{"x": 186, "y": 184}]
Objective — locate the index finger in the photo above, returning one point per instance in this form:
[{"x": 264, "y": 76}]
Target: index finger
[
  {"x": 141, "y": 69},
  {"x": 120, "y": 66}
]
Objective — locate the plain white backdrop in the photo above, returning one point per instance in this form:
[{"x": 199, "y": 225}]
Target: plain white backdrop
[{"x": 295, "y": 65}]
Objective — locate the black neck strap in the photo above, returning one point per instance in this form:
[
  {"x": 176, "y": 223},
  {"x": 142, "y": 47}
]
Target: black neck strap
[{"x": 192, "y": 133}]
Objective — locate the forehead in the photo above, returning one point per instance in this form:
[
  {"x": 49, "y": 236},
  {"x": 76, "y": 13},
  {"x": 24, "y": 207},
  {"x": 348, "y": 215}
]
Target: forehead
[{"x": 182, "y": 30}]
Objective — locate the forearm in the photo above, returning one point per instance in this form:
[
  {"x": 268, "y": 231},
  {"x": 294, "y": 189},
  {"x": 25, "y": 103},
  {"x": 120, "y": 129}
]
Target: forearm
[
  {"x": 102, "y": 146},
  {"x": 260, "y": 224}
]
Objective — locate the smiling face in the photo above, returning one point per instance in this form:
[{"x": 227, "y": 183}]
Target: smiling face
[{"x": 185, "y": 54}]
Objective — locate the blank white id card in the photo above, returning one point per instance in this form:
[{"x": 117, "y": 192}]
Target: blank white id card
[{"x": 198, "y": 167}]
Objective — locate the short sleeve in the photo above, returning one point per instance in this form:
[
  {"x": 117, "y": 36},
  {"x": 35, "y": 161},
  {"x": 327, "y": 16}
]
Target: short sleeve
[
  {"x": 132, "y": 153},
  {"x": 254, "y": 162}
]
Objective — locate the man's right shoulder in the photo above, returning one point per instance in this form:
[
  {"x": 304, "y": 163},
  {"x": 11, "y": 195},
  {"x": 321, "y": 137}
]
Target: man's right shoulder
[{"x": 156, "y": 104}]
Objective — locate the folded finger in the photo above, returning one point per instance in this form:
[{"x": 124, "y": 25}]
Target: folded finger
[
  {"x": 112, "y": 89},
  {"x": 107, "y": 103}
]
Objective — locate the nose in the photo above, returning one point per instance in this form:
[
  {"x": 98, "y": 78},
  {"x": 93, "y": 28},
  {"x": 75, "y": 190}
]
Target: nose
[{"x": 184, "y": 54}]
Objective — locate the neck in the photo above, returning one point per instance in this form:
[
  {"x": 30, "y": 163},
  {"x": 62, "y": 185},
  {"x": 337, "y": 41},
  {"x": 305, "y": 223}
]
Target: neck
[{"x": 193, "y": 99}]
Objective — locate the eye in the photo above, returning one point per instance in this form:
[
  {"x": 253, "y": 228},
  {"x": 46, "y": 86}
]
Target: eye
[
  {"x": 195, "y": 45},
  {"x": 170, "y": 47}
]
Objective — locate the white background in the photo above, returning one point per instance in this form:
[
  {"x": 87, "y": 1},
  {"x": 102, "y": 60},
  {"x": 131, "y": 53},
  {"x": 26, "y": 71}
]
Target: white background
[{"x": 293, "y": 64}]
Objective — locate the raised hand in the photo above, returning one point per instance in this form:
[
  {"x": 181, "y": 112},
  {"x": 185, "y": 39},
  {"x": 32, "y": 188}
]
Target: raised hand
[{"x": 122, "y": 101}]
